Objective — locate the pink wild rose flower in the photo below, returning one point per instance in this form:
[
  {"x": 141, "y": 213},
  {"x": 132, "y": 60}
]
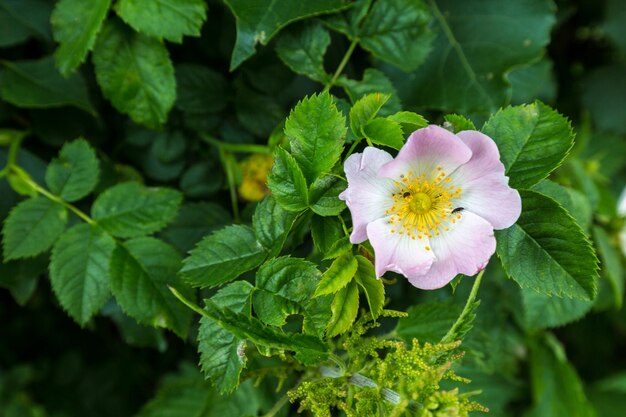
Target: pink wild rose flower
[{"x": 430, "y": 212}]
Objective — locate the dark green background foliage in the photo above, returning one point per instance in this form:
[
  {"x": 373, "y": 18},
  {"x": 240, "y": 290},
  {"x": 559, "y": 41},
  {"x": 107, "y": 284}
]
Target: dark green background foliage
[{"x": 122, "y": 125}]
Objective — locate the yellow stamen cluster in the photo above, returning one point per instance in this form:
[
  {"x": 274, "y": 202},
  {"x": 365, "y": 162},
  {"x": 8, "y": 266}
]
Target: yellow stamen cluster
[{"x": 423, "y": 205}]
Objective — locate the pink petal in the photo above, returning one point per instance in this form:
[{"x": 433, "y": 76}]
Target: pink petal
[
  {"x": 485, "y": 187},
  {"x": 464, "y": 249},
  {"x": 425, "y": 150},
  {"x": 368, "y": 196},
  {"x": 398, "y": 253}
]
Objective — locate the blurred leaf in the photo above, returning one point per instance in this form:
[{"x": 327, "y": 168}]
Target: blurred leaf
[
  {"x": 542, "y": 311},
  {"x": 79, "y": 270},
  {"x": 344, "y": 307},
  {"x": 222, "y": 355},
  {"x": 202, "y": 180},
  {"x": 463, "y": 73},
  {"x": 287, "y": 183},
  {"x": 259, "y": 21},
  {"x": 133, "y": 333},
  {"x": 611, "y": 265},
  {"x": 324, "y": 195},
  {"x": 20, "y": 19},
  {"x": 533, "y": 140},
  {"x": 223, "y": 256},
  {"x": 604, "y": 95},
  {"x": 546, "y": 250},
  {"x": 38, "y": 84},
  {"x": 74, "y": 174},
  {"x": 533, "y": 82},
  {"x": 134, "y": 71},
  {"x": 169, "y": 19},
  {"x": 615, "y": 17},
  {"x": 200, "y": 90},
  {"x": 258, "y": 113},
  {"x": 303, "y": 51},
  {"x": 32, "y": 227},
  {"x": 76, "y": 24},
  {"x": 316, "y": 131},
  {"x": 20, "y": 277},
  {"x": 372, "y": 286},
  {"x": 131, "y": 209},
  {"x": 272, "y": 224},
  {"x": 575, "y": 202},
  {"x": 141, "y": 271}
]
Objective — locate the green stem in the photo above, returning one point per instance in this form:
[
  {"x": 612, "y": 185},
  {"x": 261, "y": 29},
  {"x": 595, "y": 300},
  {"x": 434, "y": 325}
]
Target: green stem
[
  {"x": 342, "y": 64},
  {"x": 14, "y": 147},
  {"x": 276, "y": 408},
  {"x": 236, "y": 147},
  {"x": 188, "y": 303},
  {"x": 230, "y": 178},
  {"x": 354, "y": 145},
  {"x": 449, "y": 337}
]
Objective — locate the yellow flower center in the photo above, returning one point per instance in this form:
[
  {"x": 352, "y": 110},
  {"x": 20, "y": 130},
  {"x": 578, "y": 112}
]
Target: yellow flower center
[{"x": 423, "y": 205}]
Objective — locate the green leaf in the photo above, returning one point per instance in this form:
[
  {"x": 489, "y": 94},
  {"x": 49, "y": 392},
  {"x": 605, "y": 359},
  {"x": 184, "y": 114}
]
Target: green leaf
[
  {"x": 374, "y": 81},
  {"x": 38, "y": 84},
  {"x": 324, "y": 195},
  {"x": 316, "y": 131},
  {"x": 223, "y": 256},
  {"x": 32, "y": 227},
  {"x": 611, "y": 265},
  {"x": 258, "y": 21},
  {"x": 131, "y": 209},
  {"x": 20, "y": 277},
  {"x": 79, "y": 270},
  {"x": 465, "y": 74},
  {"x": 135, "y": 73},
  {"x": 533, "y": 82},
  {"x": 200, "y": 90},
  {"x": 459, "y": 123},
  {"x": 20, "y": 19},
  {"x": 603, "y": 95},
  {"x": 372, "y": 286},
  {"x": 409, "y": 121},
  {"x": 287, "y": 183},
  {"x": 542, "y": 311},
  {"x": 615, "y": 16},
  {"x": 303, "y": 51},
  {"x": 169, "y": 19},
  {"x": 338, "y": 247},
  {"x": 272, "y": 224},
  {"x": 428, "y": 322},
  {"x": 397, "y": 31},
  {"x": 546, "y": 250},
  {"x": 384, "y": 132},
  {"x": 344, "y": 309},
  {"x": 575, "y": 202},
  {"x": 142, "y": 269},
  {"x": 309, "y": 349},
  {"x": 222, "y": 355},
  {"x": 74, "y": 174},
  {"x": 338, "y": 275},
  {"x": 364, "y": 110},
  {"x": 286, "y": 286},
  {"x": 76, "y": 40},
  {"x": 556, "y": 388},
  {"x": 325, "y": 232},
  {"x": 533, "y": 140}
]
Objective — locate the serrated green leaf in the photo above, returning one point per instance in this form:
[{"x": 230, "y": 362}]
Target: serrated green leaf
[
  {"x": 575, "y": 202},
  {"x": 340, "y": 246},
  {"x": 364, "y": 110},
  {"x": 344, "y": 307},
  {"x": 79, "y": 270},
  {"x": 222, "y": 355},
  {"x": 32, "y": 227},
  {"x": 316, "y": 131},
  {"x": 168, "y": 19},
  {"x": 135, "y": 73},
  {"x": 21, "y": 19},
  {"x": 131, "y": 209},
  {"x": 546, "y": 250},
  {"x": 38, "y": 84},
  {"x": 408, "y": 121},
  {"x": 142, "y": 269},
  {"x": 459, "y": 123},
  {"x": 325, "y": 232},
  {"x": 338, "y": 275},
  {"x": 259, "y": 21},
  {"x": 533, "y": 140},
  {"x": 76, "y": 40},
  {"x": 611, "y": 265},
  {"x": 324, "y": 195},
  {"x": 463, "y": 73},
  {"x": 272, "y": 224},
  {"x": 74, "y": 174},
  {"x": 223, "y": 256},
  {"x": 287, "y": 183},
  {"x": 384, "y": 132},
  {"x": 542, "y": 311},
  {"x": 397, "y": 31},
  {"x": 373, "y": 287},
  {"x": 428, "y": 322},
  {"x": 309, "y": 349},
  {"x": 374, "y": 81},
  {"x": 303, "y": 51}
]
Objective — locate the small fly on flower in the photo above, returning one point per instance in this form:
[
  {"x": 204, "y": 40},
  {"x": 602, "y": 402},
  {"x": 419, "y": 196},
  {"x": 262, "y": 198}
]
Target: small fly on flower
[{"x": 458, "y": 210}]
